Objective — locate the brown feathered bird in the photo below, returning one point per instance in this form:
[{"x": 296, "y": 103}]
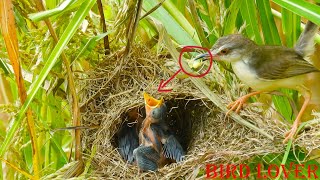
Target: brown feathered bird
[{"x": 267, "y": 68}]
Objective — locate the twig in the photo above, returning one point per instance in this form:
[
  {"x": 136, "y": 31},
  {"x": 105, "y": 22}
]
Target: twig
[
  {"x": 152, "y": 10},
  {"x": 75, "y": 127},
  {"x": 133, "y": 29},
  {"x": 104, "y": 28}
]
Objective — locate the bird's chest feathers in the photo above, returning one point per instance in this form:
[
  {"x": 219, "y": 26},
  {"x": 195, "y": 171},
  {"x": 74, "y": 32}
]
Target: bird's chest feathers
[
  {"x": 245, "y": 74},
  {"x": 249, "y": 76},
  {"x": 150, "y": 136}
]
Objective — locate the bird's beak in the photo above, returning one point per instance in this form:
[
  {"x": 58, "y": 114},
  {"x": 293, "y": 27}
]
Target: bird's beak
[
  {"x": 152, "y": 102},
  {"x": 198, "y": 60},
  {"x": 204, "y": 56}
]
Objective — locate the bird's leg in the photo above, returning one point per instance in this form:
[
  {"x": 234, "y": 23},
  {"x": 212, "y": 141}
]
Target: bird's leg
[
  {"x": 237, "y": 105},
  {"x": 290, "y": 134}
]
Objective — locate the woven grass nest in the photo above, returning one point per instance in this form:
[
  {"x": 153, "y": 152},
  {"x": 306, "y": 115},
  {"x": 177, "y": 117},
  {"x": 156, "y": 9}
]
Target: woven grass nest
[{"x": 110, "y": 94}]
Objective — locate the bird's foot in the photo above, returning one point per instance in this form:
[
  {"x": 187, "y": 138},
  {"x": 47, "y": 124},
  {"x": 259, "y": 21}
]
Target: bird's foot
[
  {"x": 290, "y": 134},
  {"x": 237, "y": 105}
]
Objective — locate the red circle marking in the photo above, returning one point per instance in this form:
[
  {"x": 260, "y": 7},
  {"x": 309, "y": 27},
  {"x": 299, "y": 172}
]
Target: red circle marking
[{"x": 187, "y": 49}]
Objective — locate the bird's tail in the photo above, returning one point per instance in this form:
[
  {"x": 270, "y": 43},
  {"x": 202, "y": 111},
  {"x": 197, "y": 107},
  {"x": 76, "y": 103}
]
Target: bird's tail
[{"x": 305, "y": 43}]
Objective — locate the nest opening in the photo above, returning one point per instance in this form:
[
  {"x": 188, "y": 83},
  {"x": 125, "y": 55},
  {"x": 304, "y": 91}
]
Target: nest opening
[{"x": 182, "y": 118}]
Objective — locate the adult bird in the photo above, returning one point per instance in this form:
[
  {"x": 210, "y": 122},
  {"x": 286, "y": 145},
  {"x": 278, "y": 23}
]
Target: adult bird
[
  {"x": 158, "y": 146},
  {"x": 267, "y": 68}
]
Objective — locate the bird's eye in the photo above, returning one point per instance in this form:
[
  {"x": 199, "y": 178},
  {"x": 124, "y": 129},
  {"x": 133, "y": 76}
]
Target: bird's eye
[
  {"x": 156, "y": 113},
  {"x": 159, "y": 113},
  {"x": 224, "y": 51}
]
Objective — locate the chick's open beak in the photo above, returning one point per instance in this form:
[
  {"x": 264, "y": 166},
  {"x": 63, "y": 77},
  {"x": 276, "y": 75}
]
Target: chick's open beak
[{"x": 152, "y": 102}]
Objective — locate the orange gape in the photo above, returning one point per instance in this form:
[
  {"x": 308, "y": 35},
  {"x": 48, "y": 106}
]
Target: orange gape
[{"x": 158, "y": 146}]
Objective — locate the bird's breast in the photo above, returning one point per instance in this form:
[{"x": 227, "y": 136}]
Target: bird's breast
[
  {"x": 152, "y": 136},
  {"x": 249, "y": 76},
  {"x": 246, "y": 74}
]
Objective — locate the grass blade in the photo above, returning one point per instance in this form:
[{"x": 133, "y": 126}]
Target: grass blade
[
  {"x": 285, "y": 157},
  {"x": 90, "y": 44},
  {"x": 46, "y": 14},
  {"x": 269, "y": 28},
  {"x": 206, "y": 11},
  {"x": 249, "y": 14},
  {"x": 302, "y": 26},
  {"x": 67, "y": 5},
  {"x": 182, "y": 34},
  {"x": 290, "y": 26},
  {"x": 230, "y": 25},
  {"x": 301, "y": 8},
  {"x": 29, "y": 176},
  {"x": 197, "y": 24},
  {"x": 4, "y": 67}
]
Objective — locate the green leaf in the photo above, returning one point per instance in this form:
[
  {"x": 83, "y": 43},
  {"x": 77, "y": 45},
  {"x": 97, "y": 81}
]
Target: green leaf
[
  {"x": 180, "y": 4},
  {"x": 65, "y": 38},
  {"x": 27, "y": 151},
  {"x": 90, "y": 44},
  {"x": 282, "y": 104},
  {"x": 286, "y": 154},
  {"x": 302, "y": 26},
  {"x": 64, "y": 7},
  {"x": 179, "y": 28},
  {"x": 4, "y": 68},
  {"x": 57, "y": 121},
  {"x": 269, "y": 28},
  {"x": 291, "y": 27},
  {"x": 197, "y": 24},
  {"x": 230, "y": 25},
  {"x": 249, "y": 14},
  {"x": 212, "y": 9},
  {"x": 301, "y": 8},
  {"x": 46, "y": 14}
]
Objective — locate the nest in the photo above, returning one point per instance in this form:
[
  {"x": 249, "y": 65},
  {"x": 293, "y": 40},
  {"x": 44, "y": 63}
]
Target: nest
[{"x": 110, "y": 95}]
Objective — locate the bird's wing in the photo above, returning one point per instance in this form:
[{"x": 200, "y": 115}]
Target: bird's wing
[
  {"x": 147, "y": 158},
  {"x": 279, "y": 62},
  {"x": 127, "y": 140},
  {"x": 172, "y": 149}
]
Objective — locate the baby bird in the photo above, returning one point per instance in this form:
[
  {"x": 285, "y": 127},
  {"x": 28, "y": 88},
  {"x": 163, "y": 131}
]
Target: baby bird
[
  {"x": 158, "y": 146},
  {"x": 128, "y": 140}
]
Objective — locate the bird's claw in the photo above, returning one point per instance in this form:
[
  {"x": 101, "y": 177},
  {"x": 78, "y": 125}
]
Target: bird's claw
[{"x": 236, "y": 105}]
